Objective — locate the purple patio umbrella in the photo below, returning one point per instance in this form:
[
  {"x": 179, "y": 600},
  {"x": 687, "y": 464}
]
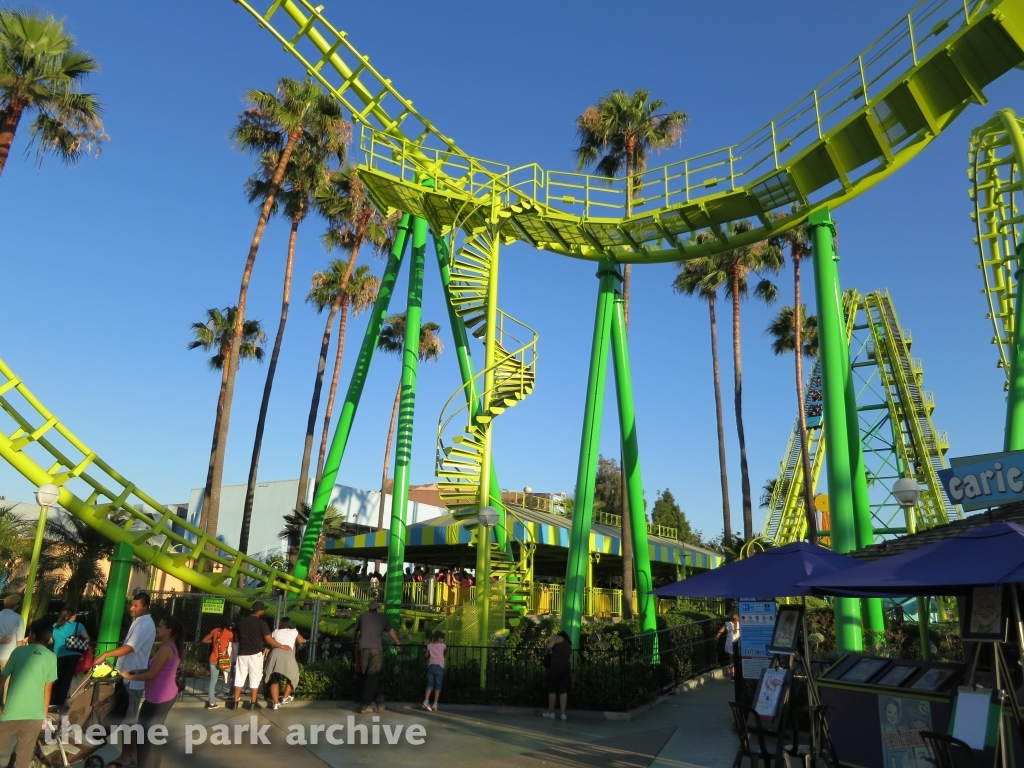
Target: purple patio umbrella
[
  {"x": 978, "y": 557},
  {"x": 772, "y": 573}
]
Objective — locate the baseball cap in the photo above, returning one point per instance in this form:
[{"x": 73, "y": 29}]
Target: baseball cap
[
  {"x": 374, "y": 605},
  {"x": 259, "y": 605}
]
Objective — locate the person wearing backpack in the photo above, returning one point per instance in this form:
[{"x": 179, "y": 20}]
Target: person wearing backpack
[
  {"x": 70, "y": 641},
  {"x": 219, "y": 639}
]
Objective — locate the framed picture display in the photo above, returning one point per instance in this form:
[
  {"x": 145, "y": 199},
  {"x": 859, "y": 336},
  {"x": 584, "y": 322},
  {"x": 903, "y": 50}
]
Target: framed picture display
[
  {"x": 786, "y": 637},
  {"x": 769, "y": 694},
  {"x": 986, "y": 617},
  {"x": 933, "y": 679},
  {"x": 864, "y": 670},
  {"x": 896, "y": 675}
]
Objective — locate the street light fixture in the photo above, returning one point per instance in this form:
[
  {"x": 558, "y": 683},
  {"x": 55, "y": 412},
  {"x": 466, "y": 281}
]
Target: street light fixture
[
  {"x": 46, "y": 496},
  {"x": 488, "y": 517},
  {"x": 907, "y": 492}
]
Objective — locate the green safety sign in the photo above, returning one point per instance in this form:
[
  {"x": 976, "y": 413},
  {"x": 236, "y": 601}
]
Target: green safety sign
[{"x": 213, "y": 605}]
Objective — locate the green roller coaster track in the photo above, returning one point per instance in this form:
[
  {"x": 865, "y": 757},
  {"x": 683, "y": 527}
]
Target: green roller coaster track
[
  {"x": 894, "y": 415},
  {"x": 860, "y": 125}
]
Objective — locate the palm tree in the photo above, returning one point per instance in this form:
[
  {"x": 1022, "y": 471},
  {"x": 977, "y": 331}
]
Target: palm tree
[
  {"x": 738, "y": 264},
  {"x": 785, "y": 335},
  {"x": 392, "y": 341},
  {"x": 306, "y": 173},
  {"x": 616, "y": 134},
  {"x": 327, "y": 292},
  {"x": 272, "y": 122},
  {"x": 295, "y": 526},
  {"x": 73, "y": 556},
  {"x": 15, "y": 535},
  {"x": 216, "y": 335},
  {"x": 359, "y": 295},
  {"x": 353, "y": 220},
  {"x": 798, "y": 240},
  {"x": 41, "y": 71},
  {"x": 704, "y": 278}
]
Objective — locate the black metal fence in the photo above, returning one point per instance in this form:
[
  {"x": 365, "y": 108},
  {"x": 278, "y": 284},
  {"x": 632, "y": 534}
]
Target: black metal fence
[
  {"x": 610, "y": 672},
  {"x": 610, "y": 679}
]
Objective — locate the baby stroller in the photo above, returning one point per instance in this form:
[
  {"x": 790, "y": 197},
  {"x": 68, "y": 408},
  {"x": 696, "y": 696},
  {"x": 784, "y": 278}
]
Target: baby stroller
[{"x": 93, "y": 702}]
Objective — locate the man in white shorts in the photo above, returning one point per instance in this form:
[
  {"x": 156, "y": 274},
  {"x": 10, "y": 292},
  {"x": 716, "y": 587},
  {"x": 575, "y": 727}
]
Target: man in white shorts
[{"x": 253, "y": 633}]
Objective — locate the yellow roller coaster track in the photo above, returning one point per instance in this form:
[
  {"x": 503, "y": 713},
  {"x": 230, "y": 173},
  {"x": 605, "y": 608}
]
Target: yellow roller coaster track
[{"x": 861, "y": 124}]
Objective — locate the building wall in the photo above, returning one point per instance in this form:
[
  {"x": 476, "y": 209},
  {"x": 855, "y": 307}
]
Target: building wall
[{"x": 275, "y": 499}]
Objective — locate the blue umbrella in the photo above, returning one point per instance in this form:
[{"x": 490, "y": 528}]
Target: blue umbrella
[
  {"x": 986, "y": 556},
  {"x": 772, "y": 573}
]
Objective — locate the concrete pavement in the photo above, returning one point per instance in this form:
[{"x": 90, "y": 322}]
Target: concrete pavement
[{"x": 684, "y": 731}]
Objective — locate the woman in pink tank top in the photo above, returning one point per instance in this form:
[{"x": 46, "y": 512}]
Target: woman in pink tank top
[{"x": 161, "y": 687}]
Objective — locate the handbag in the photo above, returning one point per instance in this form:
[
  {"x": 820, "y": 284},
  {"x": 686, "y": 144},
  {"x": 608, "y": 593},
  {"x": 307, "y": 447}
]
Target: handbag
[
  {"x": 546, "y": 661},
  {"x": 85, "y": 661},
  {"x": 75, "y": 642},
  {"x": 223, "y": 657}
]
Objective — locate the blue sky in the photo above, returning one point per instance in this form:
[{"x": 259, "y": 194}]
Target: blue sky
[{"x": 106, "y": 265}]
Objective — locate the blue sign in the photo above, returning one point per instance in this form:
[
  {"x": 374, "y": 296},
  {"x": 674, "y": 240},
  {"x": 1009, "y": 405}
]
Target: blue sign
[
  {"x": 757, "y": 623},
  {"x": 978, "y": 482}
]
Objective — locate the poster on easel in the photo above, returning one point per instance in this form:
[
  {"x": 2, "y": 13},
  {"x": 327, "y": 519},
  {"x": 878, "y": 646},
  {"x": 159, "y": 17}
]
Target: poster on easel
[
  {"x": 757, "y": 624},
  {"x": 902, "y": 720}
]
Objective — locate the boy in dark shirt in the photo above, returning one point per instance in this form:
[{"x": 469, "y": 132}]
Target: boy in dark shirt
[{"x": 253, "y": 633}]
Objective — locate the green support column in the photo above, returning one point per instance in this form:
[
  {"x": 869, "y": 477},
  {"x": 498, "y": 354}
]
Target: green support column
[
  {"x": 872, "y": 616},
  {"x": 833, "y": 348},
  {"x": 117, "y": 592},
  {"x": 483, "y": 541},
  {"x": 348, "y": 408},
  {"x": 634, "y": 483},
  {"x": 1013, "y": 435},
  {"x": 586, "y": 473},
  {"x": 406, "y": 411},
  {"x": 465, "y": 359}
]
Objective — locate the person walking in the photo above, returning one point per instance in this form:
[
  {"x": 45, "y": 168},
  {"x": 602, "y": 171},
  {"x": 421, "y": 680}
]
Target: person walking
[
  {"x": 368, "y": 633},
  {"x": 161, "y": 686},
  {"x": 12, "y": 627},
  {"x": 28, "y": 678},
  {"x": 559, "y": 664},
  {"x": 282, "y": 667},
  {"x": 253, "y": 635},
  {"x": 134, "y": 654},
  {"x": 435, "y": 669},
  {"x": 731, "y": 630},
  {"x": 219, "y": 639},
  {"x": 66, "y": 628}
]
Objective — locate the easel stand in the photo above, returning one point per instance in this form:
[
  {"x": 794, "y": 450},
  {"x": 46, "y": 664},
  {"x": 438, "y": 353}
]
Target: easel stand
[{"x": 1003, "y": 682}]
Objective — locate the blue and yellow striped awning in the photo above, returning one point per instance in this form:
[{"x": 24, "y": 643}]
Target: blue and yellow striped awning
[{"x": 544, "y": 529}]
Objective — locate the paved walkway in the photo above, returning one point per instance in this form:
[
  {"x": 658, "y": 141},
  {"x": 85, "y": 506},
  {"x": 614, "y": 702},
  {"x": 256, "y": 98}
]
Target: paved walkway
[{"x": 688, "y": 730}]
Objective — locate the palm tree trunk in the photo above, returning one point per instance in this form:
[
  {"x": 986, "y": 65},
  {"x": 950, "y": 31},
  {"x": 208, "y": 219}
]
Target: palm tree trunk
[
  {"x": 723, "y": 472},
  {"x": 311, "y": 423},
  {"x": 334, "y": 388},
  {"x": 314, "y": 406},
  {"x": 387, "y": 456},
  {"x": 798, "y": 322},
  {"x": 748, "y": 514},
  {"x": 261, "y": 422},
  {"x": 211, "y": 494},
  {"x": 9, "y": 119},
  {"x": 212, "y": 467}
]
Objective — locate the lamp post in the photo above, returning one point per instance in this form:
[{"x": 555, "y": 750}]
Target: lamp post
[
  {"x": 908, "y": 494},
  {"x": 487, "y": 519},
  {"x": 46, "y": 497}
]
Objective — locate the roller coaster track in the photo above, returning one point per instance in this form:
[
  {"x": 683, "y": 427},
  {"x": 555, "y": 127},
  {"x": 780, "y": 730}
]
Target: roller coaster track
[
  {"x": 997, "y": 192},
  {"x": 44, "y": 450},
  {"x": 860, "y": 125},
  {"x": 894, "y": 413}
]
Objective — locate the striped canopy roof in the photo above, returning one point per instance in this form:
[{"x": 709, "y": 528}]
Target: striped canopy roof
[{"x": 543, "y": 528}]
